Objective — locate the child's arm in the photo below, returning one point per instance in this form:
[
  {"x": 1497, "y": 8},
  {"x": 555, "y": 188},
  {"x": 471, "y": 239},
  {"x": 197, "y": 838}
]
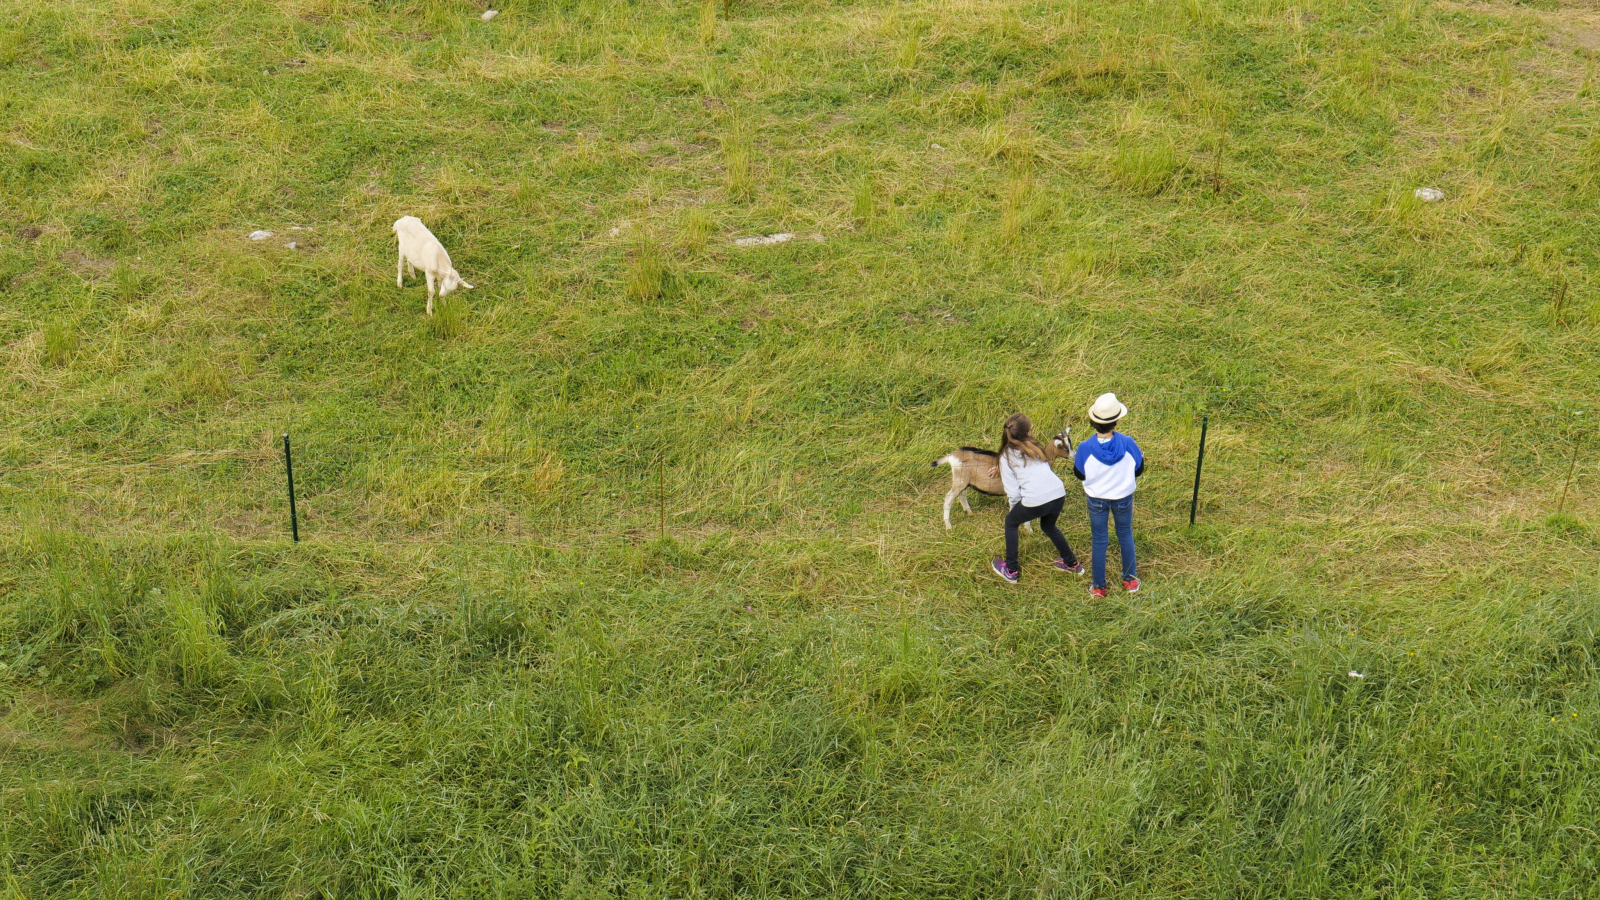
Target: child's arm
[{"x": 1008, "y": 477}]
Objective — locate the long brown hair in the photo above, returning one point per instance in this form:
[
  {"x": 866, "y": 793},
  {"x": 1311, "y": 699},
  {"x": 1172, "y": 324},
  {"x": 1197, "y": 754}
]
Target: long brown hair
[{"x": 1018, "y": 435}]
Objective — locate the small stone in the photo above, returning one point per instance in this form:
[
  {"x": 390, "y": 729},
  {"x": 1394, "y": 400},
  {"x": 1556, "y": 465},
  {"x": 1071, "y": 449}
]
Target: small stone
[
  {"x": 1354, "y": 674},
  {"x": 292, "y": 245},
  {"x": 1428, "y": 195},
  {"x": 489, "y": 14},
  {"x": 936, "y": 146},
  {"x": 765, "y": 240},
  {"x": 260, "y": 235}
]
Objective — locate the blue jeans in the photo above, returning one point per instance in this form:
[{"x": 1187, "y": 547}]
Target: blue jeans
[{"x": 1122, "y": 511}]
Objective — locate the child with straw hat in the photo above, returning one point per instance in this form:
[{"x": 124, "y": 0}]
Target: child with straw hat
[{"x": 1109, "y": 465}]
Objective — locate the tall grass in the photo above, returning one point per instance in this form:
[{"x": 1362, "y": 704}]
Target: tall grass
[
  {"x": 737, "y": 174},
  {"x": 60, "y": 343},
  {"x": 1145, "y": 168},
  {"x": 486, "y": 672},
  {"x": 708, "y": 23},
  {"x": 863, "y": 205},
  {"x": 646, "y": 273}
]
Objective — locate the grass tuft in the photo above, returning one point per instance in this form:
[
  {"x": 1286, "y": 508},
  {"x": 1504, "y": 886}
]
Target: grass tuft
[
  {"x": 1093, "y": 75},
  {"x": 863, "y": 204},
  {"x": 196, "y": 379},
  {"x": 60, "y": 342},
  {"x": 1146, "y": 167},
  {"x": 449, "y": 318},
  {"x": 713, "y": 82},
  {"x": 129, "y": 284},
  {"x": 708, "y": 23},
  {"x": 1008, "y": 142},
  {"x": 647, "y": 271},
  {"x": 908, "y": 56},
  {"x": 1568, "y": 526},
  {"x": 966, "y": 102},
  {"x": 737, "y": 174},
  {"x": 695, "y": 230},
  {"x": 1014, "y": 214},
  {"x": 1070, "y": 270}
]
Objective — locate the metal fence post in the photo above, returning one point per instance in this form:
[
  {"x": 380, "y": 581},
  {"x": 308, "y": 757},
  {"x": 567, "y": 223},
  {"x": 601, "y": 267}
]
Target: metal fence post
[
  {"x": 1194, "y": 503},
  {"x": 288, "y": 469}
]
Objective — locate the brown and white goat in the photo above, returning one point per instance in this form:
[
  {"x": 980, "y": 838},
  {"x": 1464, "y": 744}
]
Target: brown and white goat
[{"x": 971, "y": 467}]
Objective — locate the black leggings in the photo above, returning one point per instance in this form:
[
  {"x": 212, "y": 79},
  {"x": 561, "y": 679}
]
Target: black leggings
[{"x": 1046, "y": 513}]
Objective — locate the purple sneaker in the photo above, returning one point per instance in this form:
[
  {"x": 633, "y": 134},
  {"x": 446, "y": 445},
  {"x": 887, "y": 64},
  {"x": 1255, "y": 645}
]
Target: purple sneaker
[
  {"x": 1061, "y": 564},
  {"x": 1003, "y": 570}
]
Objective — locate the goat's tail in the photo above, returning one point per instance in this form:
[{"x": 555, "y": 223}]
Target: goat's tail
[{"x": 955, "y": 463}]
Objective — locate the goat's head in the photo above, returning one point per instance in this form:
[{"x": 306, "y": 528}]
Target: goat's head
[
  {"x": 1061, "y": 443},
  {"x": 452, "y": 280}
]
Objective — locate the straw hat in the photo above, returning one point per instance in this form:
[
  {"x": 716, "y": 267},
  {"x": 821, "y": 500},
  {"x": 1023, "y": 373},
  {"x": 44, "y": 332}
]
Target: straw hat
[{"x": 1107, "y": 409}]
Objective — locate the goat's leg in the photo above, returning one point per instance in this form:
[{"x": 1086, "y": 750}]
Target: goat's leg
[
  {"x": 964, "y": 504},
  {"x": 400, "y": 270},
  {"x": 411, "y": 271},
  {"x": 949, "y": 499},
  {"x": 430, "y": 292}
]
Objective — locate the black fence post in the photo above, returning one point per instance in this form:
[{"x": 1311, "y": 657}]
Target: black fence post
[
  {"x": 288, "y": 469},
  {"x": 1194, "y": 503}
]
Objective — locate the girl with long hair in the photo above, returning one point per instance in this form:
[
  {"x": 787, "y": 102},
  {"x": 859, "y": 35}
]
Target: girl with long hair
[{"x": 1035, "y": 493}]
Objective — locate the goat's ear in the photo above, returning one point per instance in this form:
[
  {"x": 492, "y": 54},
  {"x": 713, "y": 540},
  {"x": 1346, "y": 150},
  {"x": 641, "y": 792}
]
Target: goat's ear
[{"x": 464, "y": 284}]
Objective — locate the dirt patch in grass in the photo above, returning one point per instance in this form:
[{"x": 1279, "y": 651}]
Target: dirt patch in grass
[
  {"x": 40, "y": 722},
  {"x": 87, "y": 265},
  {"x": 1581, "y": 25}
]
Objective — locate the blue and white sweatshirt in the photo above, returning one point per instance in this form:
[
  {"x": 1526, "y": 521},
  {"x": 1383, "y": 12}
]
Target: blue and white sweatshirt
[{"x": 1108, "y": 468}]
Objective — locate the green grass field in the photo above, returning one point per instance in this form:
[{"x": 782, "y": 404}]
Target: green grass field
[{"x": 485, "y": 673}]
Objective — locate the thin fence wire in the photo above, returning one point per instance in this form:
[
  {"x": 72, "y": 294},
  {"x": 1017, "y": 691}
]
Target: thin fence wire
[{"x": 324, "y": 468}]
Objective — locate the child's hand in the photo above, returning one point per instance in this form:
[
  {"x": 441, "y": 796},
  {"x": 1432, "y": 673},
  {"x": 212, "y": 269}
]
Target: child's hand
[{"x": 994, "y": 472}]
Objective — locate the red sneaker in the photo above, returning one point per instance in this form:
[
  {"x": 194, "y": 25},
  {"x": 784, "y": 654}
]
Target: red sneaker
[
  {"x": 1131, "y": 585},
  {"x": 1097, "y": 593}
]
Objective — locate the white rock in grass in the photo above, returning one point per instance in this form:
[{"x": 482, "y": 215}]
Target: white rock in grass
[
  {"x": 1355, "y": 674},
  {"x": 1428, "y": 195},
  {"x": 260, "y": 235},
  {"x": 781, "y": 238},
  {"x": 764, "y": 240},
  {"x": 489, "y": 14},
  {"x": 292, "y": 245}
]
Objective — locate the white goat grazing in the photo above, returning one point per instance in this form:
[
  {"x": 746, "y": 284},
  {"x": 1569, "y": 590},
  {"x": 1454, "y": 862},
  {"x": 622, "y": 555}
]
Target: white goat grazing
[
  {"x": 420, "y": 249},
  {"x": 971, "y": 467}
]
